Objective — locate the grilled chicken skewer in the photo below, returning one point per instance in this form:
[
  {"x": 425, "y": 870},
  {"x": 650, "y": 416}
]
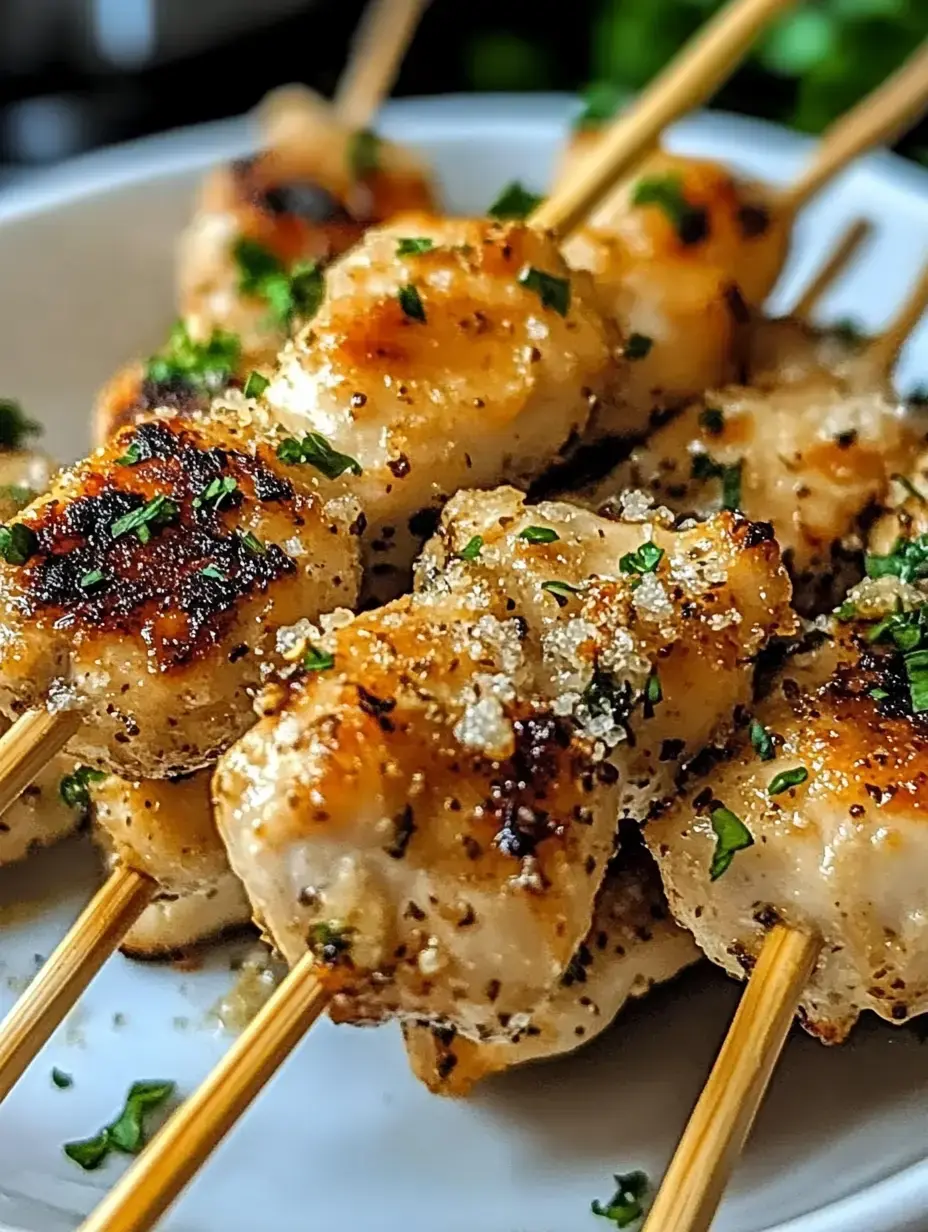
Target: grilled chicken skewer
[{"x": 684, "y": 248}]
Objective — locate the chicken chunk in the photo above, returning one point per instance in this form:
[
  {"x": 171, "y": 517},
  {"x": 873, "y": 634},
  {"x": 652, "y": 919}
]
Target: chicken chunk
[
  {"x": 165, "y": 828},
  {"x": 446, "y": 354},
  {"x": 830, "y": 789},
  {"x": 633, "y": 944},
  {"x": 811, "y": 455},
  {"x": 307, "y": 196},
  {"x": 432, "y": 805},
  {"x": 146, "y": 588}
]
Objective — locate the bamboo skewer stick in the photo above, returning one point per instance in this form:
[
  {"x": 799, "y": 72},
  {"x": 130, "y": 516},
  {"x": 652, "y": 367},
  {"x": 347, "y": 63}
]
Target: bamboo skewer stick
[
  {"x": 883, "y": 116},
  {"x": 689, "y": 79},
  {"x": 91, "y": 940},
  {"x": 719, "y": 1124},
  {"x": 176, "y": 1153},
  {"x": 30, "y": 744},
  {"x": 380, "y": 43},
  {"x": 837, "y": 261},
  {"x": 721, "y": 1121}
]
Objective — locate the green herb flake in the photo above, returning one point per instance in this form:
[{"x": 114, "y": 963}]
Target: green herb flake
[
  {"x": 127, "y": 1132},
  {"x": 514, "y": 202},
  {"x": 560, "y": 590},
  {"x": 132, "y": 456},
  {"x": 17, "y": 543},
  {"x": 626, "y": 1205},
  {"x": 762, "y": 741},
  {"x": 878, "y": 694},
  {"x": 472, "y": 548},
  {"x": 712, "y": 420},
  {"x": 704, "y": 466},
  {"x": 159, "y": 511},
  {"x": 255, "y": 384},
  {"x": 307, "y": 289},
  {"x": 539, "y": 534},
  {"x": 315, "y": 450},
  {"x": 61, "y": 1080},
  {"x": 653, "y": 693},
  {"x": 916, "y": 669},
  {"x": 553, "y": 292},
  {"x": 90, "y": 579},
  {"x": 329, "y": 942},
  {"x": 17, "y": 493},
  {"x": 411, "y": 302},
  {"x": 690, "y": 222},
  {"x": 601, "y": 101},
  {"x": 786, "y": 779},
  {"x": 731, "y": 835},
  {"x": 15, "y": 427},
  {"x": 364, "y": 153},
  {"x": 216, "y": 492},
  {"x": 848, "y": 331},
  {"x": 261, "y": 274},
  {"x": 203, "y": 365},
  {"x": 413, "y": 245},
  {"x": 315, "y": 660},
  {"x": 846, "y": 612},
  {"x": 253, "y": 543},
  {"x": 644, "y": 559},
  {"x": 638, "y": 346},
  {"x": 907, "y": 561},
  {"x": 74, "y": 788},
  {"x": 213, "y": 572}
]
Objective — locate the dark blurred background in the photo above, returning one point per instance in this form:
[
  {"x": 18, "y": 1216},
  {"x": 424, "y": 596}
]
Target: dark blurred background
[{"x": 78, "y": 74}]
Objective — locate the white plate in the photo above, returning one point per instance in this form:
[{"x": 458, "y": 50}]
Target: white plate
[{"x": 344, "y": 1138}]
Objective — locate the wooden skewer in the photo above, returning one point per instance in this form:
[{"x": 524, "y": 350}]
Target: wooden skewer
[
  {"x": 92, "y": 939},
  {"x": 30, "y": 744},
  {"x": 689, "y": 79},
  {"x": 723, "y": 1116},
  {"x": 841, "y": 255},
  {"x": 883, "y": 351},
  {"x": 883, "y": 116},
  {"x": 186, "y": 1141},
  {"x": 380, "y": 43},
  {"x": 721, "y": 1121}
]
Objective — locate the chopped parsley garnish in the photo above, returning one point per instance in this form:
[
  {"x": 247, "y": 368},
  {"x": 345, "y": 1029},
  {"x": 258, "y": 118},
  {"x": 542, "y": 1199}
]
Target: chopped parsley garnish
[
  {"x": 411, "y": 246},
  {"x": 560, "y": 590},
  {"x": 848, "y": 331},
  {"x": 329, "y": 941},
  {"x": 907, "y": 561},
  {"x": 132, "y": 456},
  {"x": 14, "y": 425},
  {"x": 253, "y": 543},
  {"x": 514, "y": 202},
  {"x": 553, "y": 292},
  {"x": 315, "y": 660},
  {"x": 712, "y": 420},
  {"x": 691, "y": 222},
  {"x": 644, "y": 559},
  {"x": 602, "y": 99},
  {"x": 74, "y": 787},
  {"x": 908, "y": 633},
  {"x": 16, "y": 492},
  {"x": 472, "y": 548},
  {"x": 786, "y": 779},
  {"x": 204, "y": 365},
  {"x": 625, "y": 1205},
  {"x": 411, "y": 302},
  {"x": 215, "y": 492},
  {"x": 92, "y": 578},
  {"x": 255, "y": 384},
  {"x": 214, "y": 572},
  {"x": 704, "y": 466},
  {"x": 17, "y": 543},
  {"x": 127, "y": 1132},
  {"x": 847, "y": 611},
  {"x": 916, "y": 669},
  {"x": 606, "y": 695},
  {"x": 638, "y": 346},
  {"x": 159, "y": 511},
  {"x": 363, "y": 153},
  {"x": 61, "y": 1080},
  {"x": 731, "y": 835},
  {"x": 315, "y": 450},
  {"x": 878, "y": 694},
  {"x": 297, "y": 293},
  {"x": 653, "y": 693},
  {"x": 538, "y": 534},
  {"x": 762, "y": 741}
]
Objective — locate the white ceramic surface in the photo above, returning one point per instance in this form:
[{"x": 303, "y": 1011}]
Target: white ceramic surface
[{"x": 343, "y": 1138}]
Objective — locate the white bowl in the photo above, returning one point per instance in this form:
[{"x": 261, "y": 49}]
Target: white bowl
[{"x": 344, "y": 1138}]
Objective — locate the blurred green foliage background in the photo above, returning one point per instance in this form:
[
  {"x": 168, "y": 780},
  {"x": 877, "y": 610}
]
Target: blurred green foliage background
[{"x": 812, "y": 65}]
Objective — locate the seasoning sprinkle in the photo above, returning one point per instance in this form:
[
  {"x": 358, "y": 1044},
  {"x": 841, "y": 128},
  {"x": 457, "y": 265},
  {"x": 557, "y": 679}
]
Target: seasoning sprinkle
[
  {"x": 214, "y": 572},
  {"x": 691, "y": 222},
  {"x": 316, "y": 660},
  {"x": 74, "y": 788},
  {"x": 159, "y": 511},
  {"x": 554, "y": 292},
  {"x": 712, "y": 420},
  {"x": 514, "y": 202},
  {"x": 538, "y": 534},
  {"x": 363, "y": 153},
  {"x": 560, "y": 590},
  {"x": 15, "y": 426},
  {"x": 127, "y": 1132},
  {"x": 202, "y": 365},
  {"x": 732, "y": 835},
  {"x": 627, "y": 1203},
  {"x": 644, "y": 559},
  {"x": 90, "y": 579},
  {"x": 61, "y": 1080},
  {"x": 638, "y": 346},
  {"x": 17, "y": 543},
  {"x": 762, "y": 741},
  {"x": 315, "y": 450},
  {"x": 255, "y": 384},
  {"x": 411, "y": 246},
  {"x": 472, "y": 548},
  {"x": 704, "y": 466},
  {"x": 786, "y": 779},
  {"x": 411, "y": 302}
]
